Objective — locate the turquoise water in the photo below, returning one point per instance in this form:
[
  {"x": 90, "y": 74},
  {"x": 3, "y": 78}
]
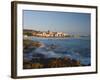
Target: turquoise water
[{"x": 75, "y": 48}]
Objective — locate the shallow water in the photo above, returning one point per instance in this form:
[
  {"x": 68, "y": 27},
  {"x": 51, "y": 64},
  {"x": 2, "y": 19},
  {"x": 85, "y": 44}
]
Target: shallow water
[{"x": 75, "y": 48}]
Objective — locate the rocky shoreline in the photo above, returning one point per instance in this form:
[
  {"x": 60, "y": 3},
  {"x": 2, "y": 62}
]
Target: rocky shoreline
[
  {"x": 38, "y": 60},
  {"x": 36, "y": 63}
]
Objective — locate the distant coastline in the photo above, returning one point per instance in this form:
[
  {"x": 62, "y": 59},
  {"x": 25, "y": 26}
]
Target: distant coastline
[
  {"x": 45, "y": 34},
  {"x": 49, "y": 34}
]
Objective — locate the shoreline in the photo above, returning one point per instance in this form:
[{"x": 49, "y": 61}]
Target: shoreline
[
  {"x": 59, "y": 38},
  {"x": 50, "y": 63},
  {"x": 32, "y": 45}
]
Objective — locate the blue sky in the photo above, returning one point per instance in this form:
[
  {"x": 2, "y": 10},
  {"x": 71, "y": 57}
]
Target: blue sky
[{"x": 68, "y": 22}]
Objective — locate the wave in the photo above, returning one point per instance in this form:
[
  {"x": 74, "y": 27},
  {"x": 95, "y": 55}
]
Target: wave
[{"x": 73, "y": 48}]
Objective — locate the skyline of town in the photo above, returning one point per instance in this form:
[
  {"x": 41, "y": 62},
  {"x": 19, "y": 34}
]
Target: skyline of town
[
  {"x": 67, "y": 22},
  {"x": 44, "y": 34}
]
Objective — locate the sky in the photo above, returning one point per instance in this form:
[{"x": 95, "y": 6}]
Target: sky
[{"x": 68, "y": 22}]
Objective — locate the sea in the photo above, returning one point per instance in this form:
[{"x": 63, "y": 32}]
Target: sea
[{"x": 78, "y": 48}]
